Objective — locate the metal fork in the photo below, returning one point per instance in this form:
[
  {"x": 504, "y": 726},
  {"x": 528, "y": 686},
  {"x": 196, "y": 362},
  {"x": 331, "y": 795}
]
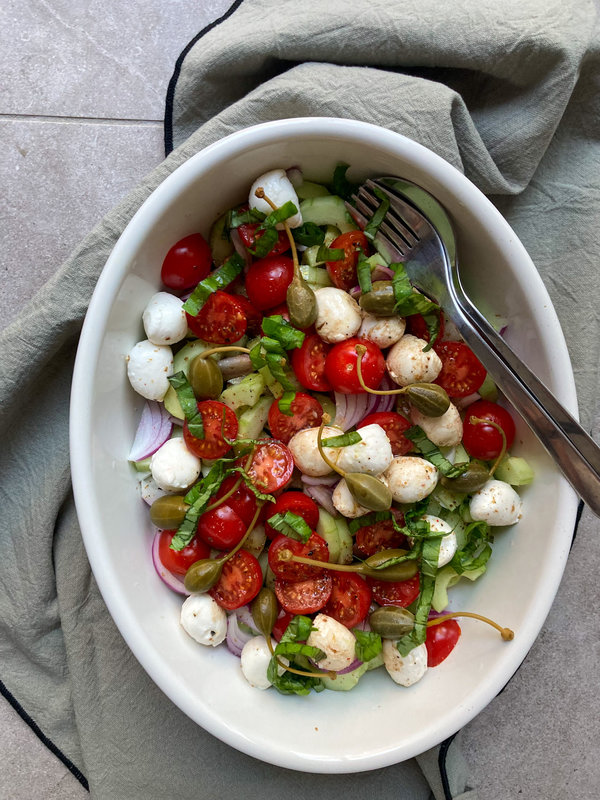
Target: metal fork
[{"x": 408, "y": 235}]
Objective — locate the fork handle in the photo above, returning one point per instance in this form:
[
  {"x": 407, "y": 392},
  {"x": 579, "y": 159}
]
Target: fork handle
[{"x": 574, "y": 451}]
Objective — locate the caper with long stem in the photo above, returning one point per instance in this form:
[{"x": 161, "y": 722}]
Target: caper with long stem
[
  {"x": 204, "y": 374},
  {"x": 506, "y": 633},
  {"x": 397, "y": 572}
]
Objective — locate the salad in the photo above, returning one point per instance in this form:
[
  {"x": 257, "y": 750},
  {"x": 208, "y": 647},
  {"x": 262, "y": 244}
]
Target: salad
[{"x": 322, "y": 456}]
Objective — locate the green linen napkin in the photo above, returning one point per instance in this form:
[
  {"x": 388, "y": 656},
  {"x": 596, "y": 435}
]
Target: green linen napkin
[{"x": 506, "y": 91}]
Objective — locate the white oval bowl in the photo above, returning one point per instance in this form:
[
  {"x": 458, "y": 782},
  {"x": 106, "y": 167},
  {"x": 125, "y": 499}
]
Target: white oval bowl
[{"x": 323, "y": 732}]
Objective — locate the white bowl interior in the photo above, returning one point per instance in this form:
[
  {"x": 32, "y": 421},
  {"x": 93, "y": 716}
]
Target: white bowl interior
[{"x": 319, "y": 732}]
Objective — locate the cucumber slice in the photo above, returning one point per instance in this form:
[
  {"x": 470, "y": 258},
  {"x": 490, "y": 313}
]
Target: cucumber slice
[
  {"x": 254, "y": 419},
  {"x": 327, "y": 404},
  {"x": 328, "y": 530},
  {"x": 181, "y": 361},
  {"x": 376, "y": 662},
  {"x": 330, "y": 210},
  {"x": 514, "y": 470},
  {"x": 316, "y": 276},
  {"x": 343, "y": 683},
  {"x": 245, "y": 393},
  {"x": 447, "y": 498},
  {"x": 488, "y": 389},
  {"x": 309, "y": 189},
  {"x": 219, "y": 241}
]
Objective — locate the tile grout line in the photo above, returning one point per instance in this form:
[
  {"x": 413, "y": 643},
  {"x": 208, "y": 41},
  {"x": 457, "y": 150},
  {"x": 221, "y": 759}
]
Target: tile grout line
[{"x": 75, "y": 120}]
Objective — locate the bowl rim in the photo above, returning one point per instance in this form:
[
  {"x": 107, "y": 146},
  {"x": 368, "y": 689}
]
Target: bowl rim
[{"x": 81, "y": 421}]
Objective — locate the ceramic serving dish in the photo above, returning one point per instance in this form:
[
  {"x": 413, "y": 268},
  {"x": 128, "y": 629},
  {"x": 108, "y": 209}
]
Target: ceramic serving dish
[{"x": 378, "y": 723}]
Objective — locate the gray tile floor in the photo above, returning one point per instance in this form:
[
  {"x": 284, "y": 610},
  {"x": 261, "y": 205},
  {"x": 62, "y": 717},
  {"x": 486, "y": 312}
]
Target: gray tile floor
[{"x": 83, "y": 85}]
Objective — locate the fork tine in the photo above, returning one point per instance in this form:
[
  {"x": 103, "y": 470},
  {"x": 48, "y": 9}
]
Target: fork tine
[{"x": 370, "y": 203}]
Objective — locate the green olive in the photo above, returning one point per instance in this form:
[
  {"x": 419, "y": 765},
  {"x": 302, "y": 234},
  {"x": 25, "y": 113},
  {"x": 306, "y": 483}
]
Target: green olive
[
  {"x": 475, "y": 476},
  {"x": 264, "y": 610},
  {"x": 368, "y": 491},
  {"x": 203, "y": 575},
  {"x": 301, "y": 303},
  {"x": 428, "y": 398},
  {"x": 168, "y": 512},
  {"x": 391, "y": 622},
  {"x": 380, "y": 301},
  {"x": 206, "y": 378}
]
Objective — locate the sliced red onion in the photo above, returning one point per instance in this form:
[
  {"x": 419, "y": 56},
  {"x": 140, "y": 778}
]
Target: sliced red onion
[
  {"x": 153, "y": 431},
  {"x": 236, "y": 637},
  {"x": 382, "y": 273},
  {"x": 236, "y": 241},
  {"x": 328, "y": 480},
  {"x": 350, "y": 668},
  {"x": 322, "y": 496},
  {"x": 356, "y": 216},
  {"x": 465, "y": 402},
  {"x": 176, "y": 420},
  {"x": 355, "y": 291},
  {"x": 350, "y": 409},
  {"x": 502, "y": 331},
  {"x": 244, "y": 615},
  {"x": 174, "y": 582},
  {"x": 295, "y": 176}
]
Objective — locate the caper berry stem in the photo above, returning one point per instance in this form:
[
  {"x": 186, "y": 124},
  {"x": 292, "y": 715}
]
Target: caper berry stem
[
  {"x": 309, "y": 674},
  {"x": 234, "y": 488},
  {"x": 225, "y": 349},
  {"x": 249, "y": 530},
  {"x": 506, "y": 633},
  {"x": 361, "y": 350},
  {"x": 361, "y": 569},
  {"x": 499, "y": 428},
  {"x": 324, "y": 420},
  {"x": 260, "y": 192}
]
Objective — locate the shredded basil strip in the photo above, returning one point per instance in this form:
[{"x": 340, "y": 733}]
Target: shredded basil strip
[
  {"x": 476, "y": 551},
  {"x": 291, "y": 525},
  {"x": 268, "y": 498},
  {"x": 198, "y": 497},
  {"x": 308, "y": 234},
  {"x": 278, "y": 328},
  {"x": 297, "y": 631},
  {"x": 363, "y": 271},
  {"x": 344, "y": 440},
  {"x": 277, "y": 367},
  {"x": 429, "y": 560},
  {"x": 325, "y": 253},
  {"x": 340, "y": 184},
  {"x": 287, "y": 210},
  {"x": 408, "y": 301},
  {"x": 218, "y": 279},
  {"x": 285, "y": 403},
  {"x": 264, "y": 243},
  {"x": 368, "y": 519},
  {"x": 375, "y": 222},
  {"x": 189, "y": 404},
  {"x": 249, "y": 216},
  {"x": 256, "y": 357},
  {"x": 368, "y": 644},
  {"x": 432, "y": 453}
]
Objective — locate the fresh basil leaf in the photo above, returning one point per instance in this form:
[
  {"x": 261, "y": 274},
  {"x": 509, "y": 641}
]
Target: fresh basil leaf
[
  {"x": 297, "y": 632},
  {"x": 278, "y": 328},
  {"x": 429, "y": 559},
  {"x": 291, "y": 649},
  {"x": 199, "y": 497},
  {"x": 264, "y": 244},
  {"x": 433, "y": 322},
  {"x": 299, "y": 629},
  {"x": 368, "y": 644},
  {"x": 476, "y": 551},
  {"x": 284, "y": 403},
  {"x": 291, "y": 525},
  {"x": 285, "y": 211},
  {"x": 278, "y": 366},
  {"x": 249, "y": 216},
  {"x": 189, "y": 404},
  {"x": 408, "y": 301},
  {"x": 344, "y": 440},
  {"x": 325, "y": 253},
  {"x": 308, "y": 234},
  {"x": 374, "y": 223},
  {"x": 256, "y": 356},
  {"x": 432, "y": 453},
  {"x": 218, "y": 279},
  {"x": 363, "y": 271},
  {"x": 368, "y": 519},
  {"x": 268, "y": 498},
  {"x": 340, "y": 184}
]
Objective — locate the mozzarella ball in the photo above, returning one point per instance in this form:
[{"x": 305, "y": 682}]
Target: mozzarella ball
[
  {"x": 164, "y": 319},
  {"x": 279, "y": 190},
  {"x": 338, "y": 315},
  {"x": 173, "y": 467},
  {"x": 407, "y": 363},
  {"x": 150, "y": 491},
  {"x": 255, "y": 659},
  {"x": 411, "y": 478},
  {"x": 407, "y": 669},
  {"x": 303, "y": 446},
  {"x": 496, "y": 503},
  {"x": 335, "y": 640},
  {"x": 204, "y": 620},
  {"x": 149, "y": 367},
  {"x": 444, "y": 431},
  {"x": 448, "y": 544},
  {"x": 345, "y": 503},
  {"x": 372, "y": 455},
  {"x": 382, "y": 331}
]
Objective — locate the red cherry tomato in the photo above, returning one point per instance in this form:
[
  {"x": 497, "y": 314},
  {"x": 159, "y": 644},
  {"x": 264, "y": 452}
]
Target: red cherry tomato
[
  {"x": 253, "y": 315},
  {"x": 340, "y": 366},
  {"x": 370, "y": 539},
  {"x": 315, "y": 548},
  {"x": 221, "y": 527},
  {"x": 350, "y": 599},
  {"x": 395, "y": 593},
  {"x": 217, "y": 418},
  {"x": 307, "y": 412},
  {"x": 462, "y": 372},
  {"x": 187, "y": 263},
  {"x": 179, "y": 561},
  {"x": 267, "y": 281},
  {"x": 221, "y": 320},
  {"x": 394, "y": 425},
  {"x": 298, "y": 503},
  {"x": 440, "y": 641},
  {"x": 281, "y": 623},
  {"x": 250, "y": 236},
  {"x": 343, "y": 272},
  {"x": 271, "y": 467},
  {"x": 308, "y": 363},
  {"x": 303, "y": 597},
  {"x": 242, "y": 501},
  {"x": 240, "y": 581},
  {"x": 485, "y": 441},
  {"x": 417, "y": 326}
]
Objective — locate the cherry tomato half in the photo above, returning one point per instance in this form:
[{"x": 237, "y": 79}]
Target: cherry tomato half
[
  {"x": 306, "y": 410},
  {"x": 340, "y": 366},
  {"x": 416, "y": 325},
  {"x": 242, "y": 501},
  {"x": 303, "y": 597},
  {"x": 250, "y": 236},
  {"x": 271, "y": 467},
  {"x": 240, "y": 581},
  {"x": 394, "y": 425},
  {"x": 253, "y": 315},
  {"x": 308, "y": 363},
  {"x": 370, "y": 539},
  {"x": 221, "y": 320},
  {"x": 440, "y": 641},
  {"x": 343, "y": 272},
  {"x": 298, "y": 503},
  {"x": 221, "y": 527},
  {"x": 218, "y": 419},
  {"x": 315, "y": 548},
  {"x": 179, "y": 561},
  {"x": 395, "y": 593},
  {"x": 281, "y": 623},
  {"x": 462, "y": 372},
  {"x": 267, "y": 281},
  {"x": 187, "y": 263},
  {"x": 350, "y": 599},
  {"x": 485, "y": 441}
]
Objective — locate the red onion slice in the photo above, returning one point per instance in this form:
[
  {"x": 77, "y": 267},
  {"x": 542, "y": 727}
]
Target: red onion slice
[
  {"x": 322, "y": 496},
  {"x": 236, "y": 637},
  {"x": 464, "y": 402},
  {"x": 328, "y": 480},
  {"x": 154, "y": 429},
  {"x": 174, "y": 582},
  {"x": 350, "y": 668},
  {"x": 382, "y": 273},
  {"x": 350, "y": 409}
]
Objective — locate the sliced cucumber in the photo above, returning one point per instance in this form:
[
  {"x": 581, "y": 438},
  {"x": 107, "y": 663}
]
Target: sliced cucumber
[
  {"x": 245, "y": 393},
  {"x": 254, "y": 419},
  {"x": 220, "y": 244},
  {"x": 309, "y": 189},
  {"x": 345, "y": 682},
  {"x": 327, "y": 404},
  {"x": 514, "y": 470},
  {"x": 376, "y": 662},
  {"x": 488, "y": 389},
  {"x": 181, "y": 362},
  {"x": 447, "y": 498},
  {"x": 330, "y": 210},
  {"x": 316, "y": 276},
  {"x": 331, "y": 233},
  {"x": 328, "y": 530}
]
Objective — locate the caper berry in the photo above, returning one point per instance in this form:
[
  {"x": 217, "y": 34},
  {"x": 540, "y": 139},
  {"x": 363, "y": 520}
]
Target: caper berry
[
  {"x": 264, "y": 610},
  {"x": 382, "y": 556},
  {"x": 380, "y": 301},
  {"x": 391, "y": 622},
  {"x": 428, "y": 398},
  {"x": 168, "y": 512},
  {"x": 368, "y": 491},
  {"x": 203, "y": 575},
  {"x": 206, "y": 378},
  {"x": 475, "y": 476},
  {"x": 301, "y": 303}
]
